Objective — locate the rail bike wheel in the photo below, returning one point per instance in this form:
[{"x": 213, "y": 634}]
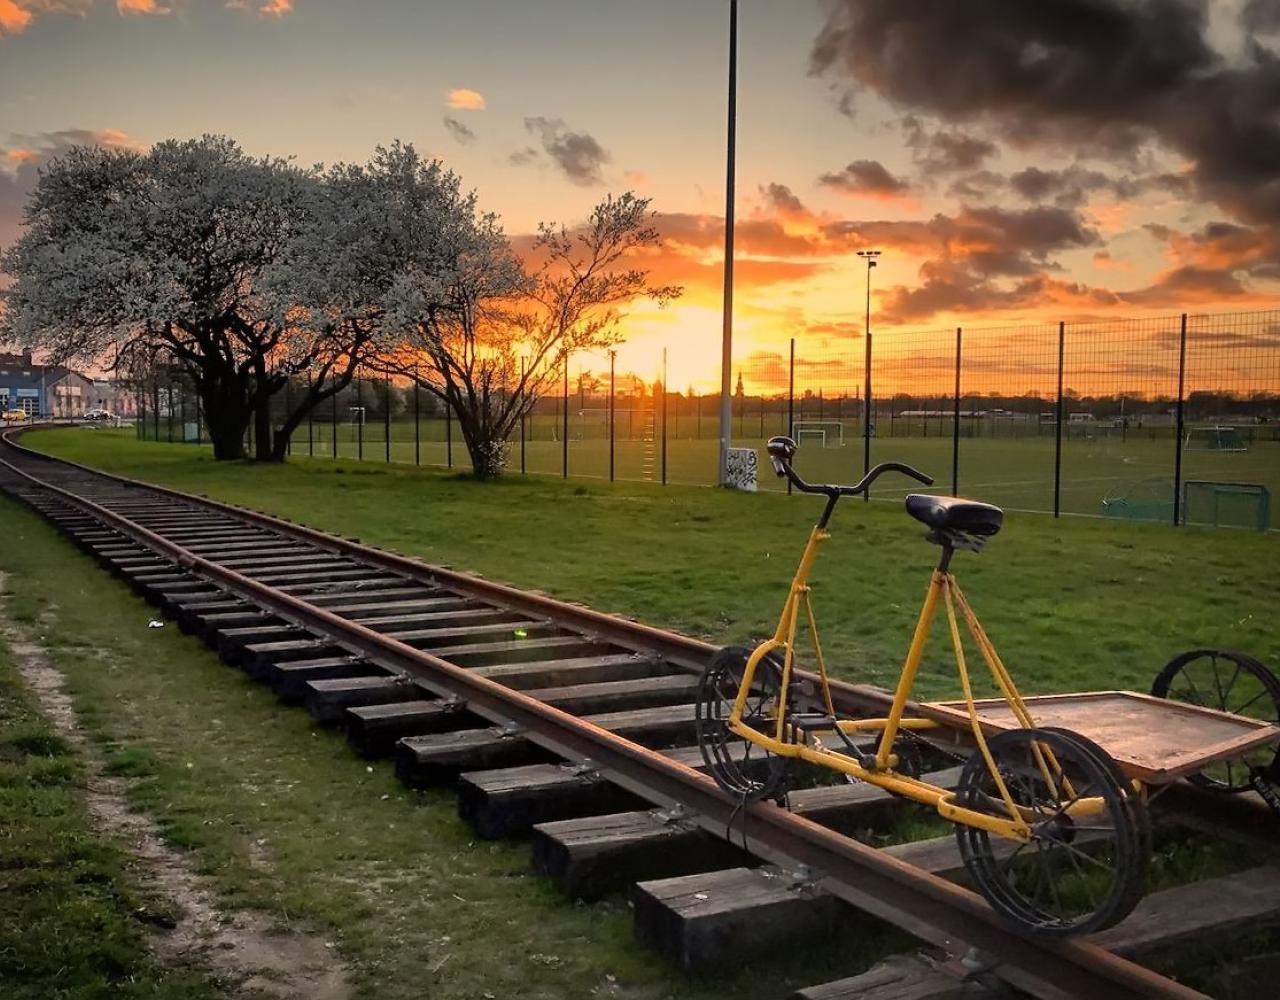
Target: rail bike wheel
[
  {"x": 1228, "y": 682},
  {"x": 739, "y": 766},
  {"x": 1076, "y": 874},
  {"x": 1137, "y": 804}
]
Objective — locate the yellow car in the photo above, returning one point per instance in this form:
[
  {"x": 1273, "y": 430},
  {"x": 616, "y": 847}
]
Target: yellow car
[{"x": 15, "y": 416}]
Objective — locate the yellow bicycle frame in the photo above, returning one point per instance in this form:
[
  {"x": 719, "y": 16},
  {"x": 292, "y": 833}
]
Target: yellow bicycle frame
[{"x": 880, "y": 770}]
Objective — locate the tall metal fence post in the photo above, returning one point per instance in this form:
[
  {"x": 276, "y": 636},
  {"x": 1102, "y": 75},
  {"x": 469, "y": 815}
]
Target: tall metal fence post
[
  {"x": 955, "y": 429},
  {"x": 564, "y": 425},
  {"x": 311, "y": 432},
  {"x": 664, "y": 416},
  {"x": 1057, "y": 430},
  {"x": 612, "y": 360},
  {"x": 333, "y": 420},
  {"x": 1177, "y": 433},
  {"x": 386, "y": 416},
  {"x": 182, "y": 420},
  {"x": 140, "y": 422},
  {"x": 524, "y": 375},
  {"x": 448, "y": 435},
  {"x": 360, "y": 425},
  {"x": 199, "y": 421},
  {"x": 417, "y": 421},
  {"x": 791, "y": 399},
  {"x": 155, "y": 410},
  {"x": 288, "y": 411}
]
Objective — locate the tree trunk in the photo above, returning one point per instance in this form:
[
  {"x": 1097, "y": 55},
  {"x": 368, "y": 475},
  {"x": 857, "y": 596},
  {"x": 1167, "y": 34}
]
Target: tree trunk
[
  {"x": 227, "y": 417},
  {"x": 487, "y": 449}
]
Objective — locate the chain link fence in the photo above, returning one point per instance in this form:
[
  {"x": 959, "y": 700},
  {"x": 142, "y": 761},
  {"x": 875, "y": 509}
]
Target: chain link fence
[{"x": 1173, "y": 419}]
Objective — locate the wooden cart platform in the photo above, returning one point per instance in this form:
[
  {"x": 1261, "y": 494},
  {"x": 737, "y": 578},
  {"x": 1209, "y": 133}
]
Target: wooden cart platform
[{"x": 1152, "y": 739}]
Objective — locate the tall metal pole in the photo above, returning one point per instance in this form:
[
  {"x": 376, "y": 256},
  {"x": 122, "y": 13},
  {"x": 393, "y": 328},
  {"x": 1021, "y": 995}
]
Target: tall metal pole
[
  {"x": 955, "y": 427},
  {"x": 870, "y": 257},
  {"x": 564, "y": 424},
  {"x": 791, "y": 399},
  {"x": 1177, "y": 432},
  {"x": 1057, "y": 431},
  {"x": 664, "y": 416},
  {"x": 612, "y": 359},
  {"x": 726, "y": 349}
]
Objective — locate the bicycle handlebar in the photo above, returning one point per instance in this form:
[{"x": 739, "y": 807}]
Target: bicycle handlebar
[{"x": 782, "y": 450}]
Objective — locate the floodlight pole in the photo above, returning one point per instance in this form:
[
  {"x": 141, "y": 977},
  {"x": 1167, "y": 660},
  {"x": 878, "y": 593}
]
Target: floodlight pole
[
  {"x": 726, "y": 352},
  {"x": 870, "y": 257}
]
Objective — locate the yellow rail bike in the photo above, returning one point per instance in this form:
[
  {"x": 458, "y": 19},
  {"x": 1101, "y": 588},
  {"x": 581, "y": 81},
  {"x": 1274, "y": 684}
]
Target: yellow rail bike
[{"x": 1052, "y": 829}]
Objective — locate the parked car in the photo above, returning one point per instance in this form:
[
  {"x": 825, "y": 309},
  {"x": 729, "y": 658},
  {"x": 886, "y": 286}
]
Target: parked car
[
  {"x": 15, "y": 416},
  {"x": 98, "y": 415}
]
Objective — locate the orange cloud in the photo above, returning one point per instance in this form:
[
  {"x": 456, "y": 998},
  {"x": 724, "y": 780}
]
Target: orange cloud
[
  {"x": 263, "y": 8},
  {"x": 13, "y": 19},
  {"x": 1103, "y": 260},
  {"x": 141, "y": 7},
  {"x": 462, "y": 99}
]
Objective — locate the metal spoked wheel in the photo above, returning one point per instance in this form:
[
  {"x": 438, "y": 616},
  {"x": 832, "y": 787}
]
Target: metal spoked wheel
[
  {"x": 1229, "y": 682},
  {"x": 1137, "y": 804},
  {"x": 1084, "y": 866},
  {"x": 739, "y": 766}
]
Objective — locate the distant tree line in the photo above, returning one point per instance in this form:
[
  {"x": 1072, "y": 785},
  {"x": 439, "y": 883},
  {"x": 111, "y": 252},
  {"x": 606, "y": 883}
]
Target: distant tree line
[{"x": 249, "y": 274}]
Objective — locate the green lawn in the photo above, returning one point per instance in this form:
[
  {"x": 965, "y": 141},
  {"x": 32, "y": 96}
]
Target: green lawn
[
  {"x": 1072, "y": 604},
  {"x": 1017, "y": 472},
  {"x": 68, "y": 928}
]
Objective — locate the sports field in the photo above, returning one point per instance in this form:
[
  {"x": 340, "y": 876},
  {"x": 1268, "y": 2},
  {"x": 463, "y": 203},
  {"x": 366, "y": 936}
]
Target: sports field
[{"x": 1015, "y": 472}]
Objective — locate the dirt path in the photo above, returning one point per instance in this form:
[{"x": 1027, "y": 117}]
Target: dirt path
[{"x": 241, "y": 948}]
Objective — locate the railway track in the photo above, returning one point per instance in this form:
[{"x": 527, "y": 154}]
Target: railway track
[{"x": 576, "y": 728}]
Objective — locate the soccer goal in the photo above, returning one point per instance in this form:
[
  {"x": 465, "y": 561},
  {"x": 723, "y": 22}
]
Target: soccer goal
[
  {"x": 1233, "y": 505},
  {"x": 1215, "y": 439},
  {"x": 829, "y": 433}
]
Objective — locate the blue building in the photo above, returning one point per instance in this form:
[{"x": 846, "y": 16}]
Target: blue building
[{"x": 42, "y": 390}]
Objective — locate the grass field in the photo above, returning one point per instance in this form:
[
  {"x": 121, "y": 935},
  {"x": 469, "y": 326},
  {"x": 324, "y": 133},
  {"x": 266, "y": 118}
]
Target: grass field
[
  {"x": 1016, "y": 472},
  {"x": 281, "y": 818},
  {"x": 1071, "y": 603},
  {"x": 68, "y": 927}
]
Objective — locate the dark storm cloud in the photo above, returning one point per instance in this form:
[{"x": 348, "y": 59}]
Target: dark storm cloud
[
  {"x": 1262, "y": 16},
  {"x": 458, "y": 130},
  {"x": 979, "y": 258},
  {"x": 945, "y": 152},
  {"x": 578, "y": 155},
  {"x": 1101, "y": 76},
  {"x": 782, "y": 199},
  {"x": 865, "y": 177}
]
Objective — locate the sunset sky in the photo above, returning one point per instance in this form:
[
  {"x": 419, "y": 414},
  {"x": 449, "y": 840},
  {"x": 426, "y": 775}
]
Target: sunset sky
[{"x": 1013, "y": 160}]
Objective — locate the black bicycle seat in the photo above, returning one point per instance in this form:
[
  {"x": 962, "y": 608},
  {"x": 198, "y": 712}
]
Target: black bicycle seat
[{"x": 971, "y": 517}]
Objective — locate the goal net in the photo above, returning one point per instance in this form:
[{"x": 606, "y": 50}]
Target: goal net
[
  {"x": 828, "y": 433},
  {"x": 1215, "y": 439},
  {"x": 1233, "y": 505}
]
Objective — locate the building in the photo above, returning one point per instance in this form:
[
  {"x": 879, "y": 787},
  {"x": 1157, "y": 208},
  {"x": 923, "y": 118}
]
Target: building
[{"x": 43, "y": 390}]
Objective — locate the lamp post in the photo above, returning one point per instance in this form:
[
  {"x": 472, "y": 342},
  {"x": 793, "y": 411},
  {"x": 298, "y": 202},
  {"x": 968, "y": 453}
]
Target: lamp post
[
  {"x": 870, "y": 257},
  {"x": 726, "y": 347}
]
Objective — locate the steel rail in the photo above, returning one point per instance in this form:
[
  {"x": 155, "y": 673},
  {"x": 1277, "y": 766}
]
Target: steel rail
[
  {"x": 928, "y": 907},
  {"x": 684, "y": 651}
]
